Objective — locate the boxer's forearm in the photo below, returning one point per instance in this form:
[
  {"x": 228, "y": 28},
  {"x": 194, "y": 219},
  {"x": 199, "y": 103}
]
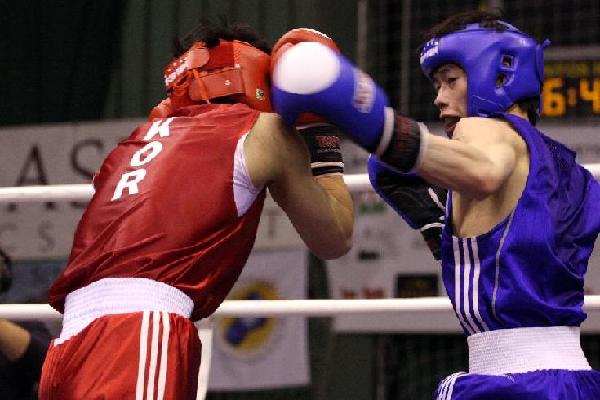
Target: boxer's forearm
[{"x": 14, "y": 340}]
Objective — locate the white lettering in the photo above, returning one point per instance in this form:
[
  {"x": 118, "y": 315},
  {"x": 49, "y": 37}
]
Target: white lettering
[
  {"x": 129, "y": 181},
  {"x": 146, "y": 154},
  {"x": 159, "y": 126},
  {"x": 364, "y": 92}
]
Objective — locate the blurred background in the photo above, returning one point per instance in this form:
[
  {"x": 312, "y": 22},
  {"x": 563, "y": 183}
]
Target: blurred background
[
  {"x": 77, "y": 76},
  {"x": 90, "y": 60}
]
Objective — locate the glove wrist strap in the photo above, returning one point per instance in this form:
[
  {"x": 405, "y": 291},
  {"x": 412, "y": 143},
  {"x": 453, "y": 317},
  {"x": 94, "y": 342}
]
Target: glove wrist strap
[
  {"x": 403, "y": 144},
  {"x": 325, "y": 151}
]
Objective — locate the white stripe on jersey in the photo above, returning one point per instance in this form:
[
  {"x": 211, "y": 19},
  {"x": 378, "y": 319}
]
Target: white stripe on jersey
[
  {"x": 476, "y": 273},
  {"x": 139, "y": 389},
  {"x": 457, "y": 291},
  {"x": 497, "y": 279},
  {"x": 467, "y": 286}
]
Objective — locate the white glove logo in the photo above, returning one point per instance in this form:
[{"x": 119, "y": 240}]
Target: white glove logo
[{"x": 364, "y": 92}]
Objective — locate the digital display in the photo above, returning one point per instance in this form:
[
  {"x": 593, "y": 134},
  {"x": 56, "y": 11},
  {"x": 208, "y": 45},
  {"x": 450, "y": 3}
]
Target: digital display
[{"x": 571, "y": 89}]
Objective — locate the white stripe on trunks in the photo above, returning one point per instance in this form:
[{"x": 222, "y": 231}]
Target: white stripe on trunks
[
  {"x": 153, "y": 355},
  {"x": 162, "y": 374},
  {"x": 139, "y": 389}
]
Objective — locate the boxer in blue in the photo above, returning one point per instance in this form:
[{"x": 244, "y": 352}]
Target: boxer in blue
[{"x": 521, "y": 216}]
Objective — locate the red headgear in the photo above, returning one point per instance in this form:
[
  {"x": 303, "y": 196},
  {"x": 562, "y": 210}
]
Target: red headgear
[{"x": 233, "y": 68}]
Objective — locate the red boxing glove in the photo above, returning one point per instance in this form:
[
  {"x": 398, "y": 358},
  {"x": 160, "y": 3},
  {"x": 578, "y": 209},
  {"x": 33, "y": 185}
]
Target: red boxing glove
[
  {"x": 292, "y": 38},
  {"x": 299, "y": 35}
]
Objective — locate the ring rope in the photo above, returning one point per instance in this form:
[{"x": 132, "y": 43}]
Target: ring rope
[
  {"x": 280, "y": 308},
  {"x": 355, "y": 182},
  {"x": 230, "y": 308}
]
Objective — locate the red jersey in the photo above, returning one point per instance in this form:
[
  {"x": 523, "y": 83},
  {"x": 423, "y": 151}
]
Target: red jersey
[{"x": 164, "y": 209}]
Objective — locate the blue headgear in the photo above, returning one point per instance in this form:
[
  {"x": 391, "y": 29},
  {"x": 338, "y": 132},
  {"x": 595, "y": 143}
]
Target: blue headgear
[{"x": 502, "y": 67}]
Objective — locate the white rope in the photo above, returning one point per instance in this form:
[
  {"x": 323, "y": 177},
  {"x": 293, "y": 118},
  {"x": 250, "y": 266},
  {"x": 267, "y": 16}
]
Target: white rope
[
  {"x": 355, "y": 182},
  {"x": 312, "y": 308},
  {"x": 358, "y": 182},
  {"x": 280, "y": 308},
  {"x": 594, "y": 169},
  {"x": 47, "y": 192}
]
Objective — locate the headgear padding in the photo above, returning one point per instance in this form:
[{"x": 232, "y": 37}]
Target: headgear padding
[
  {"x": 232, "y": 69},
  {"x": 502, "y": 68}
]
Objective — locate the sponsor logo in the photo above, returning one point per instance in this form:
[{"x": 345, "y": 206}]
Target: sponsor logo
[
  {"x": 172, "y": 76},
  {"x": 429, "y": 50},
  {"x": 249, "y": 337},
  {"x": 328, "y": 141},
  {"x": 364, "y": 92}
]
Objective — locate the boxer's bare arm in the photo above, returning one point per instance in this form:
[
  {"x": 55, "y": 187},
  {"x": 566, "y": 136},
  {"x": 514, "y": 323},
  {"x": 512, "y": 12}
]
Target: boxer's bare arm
[
  {"x": 319, "y": 208},
  {"x": 477, "y": 161},
  {"x": 13, "y": 340}
]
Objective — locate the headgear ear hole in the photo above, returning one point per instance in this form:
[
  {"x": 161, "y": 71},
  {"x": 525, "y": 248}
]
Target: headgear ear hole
[
  {"x": 507, "y": 61},
  {"x": 500, "y": 80}
]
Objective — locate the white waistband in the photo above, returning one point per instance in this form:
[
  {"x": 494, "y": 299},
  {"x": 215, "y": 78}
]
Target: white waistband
[
  {"x": 512, "y": 351},
  {"x": 119, "y": 296}
]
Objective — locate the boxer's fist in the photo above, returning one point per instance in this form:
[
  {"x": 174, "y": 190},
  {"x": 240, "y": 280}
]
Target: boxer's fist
[
  {"x": 313, "y": 77},
  {"x": 296, "y": 36},
  {"x": 290, "y": 39}
]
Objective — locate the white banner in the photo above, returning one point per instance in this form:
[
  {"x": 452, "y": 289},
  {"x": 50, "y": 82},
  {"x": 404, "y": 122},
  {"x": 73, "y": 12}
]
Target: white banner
[
  {"x": 386, "y": 253},
  {"x": 260, "y": 353},
  {"x": 384, "y": 247},
  {"x": 44, "y": 155},
  {"x": 72, "y": 153}
]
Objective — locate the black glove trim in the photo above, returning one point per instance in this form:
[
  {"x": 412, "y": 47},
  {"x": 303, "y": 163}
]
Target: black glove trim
[
  {"x": 402, "y": 152},
  {"x": 324, "y": 146}
]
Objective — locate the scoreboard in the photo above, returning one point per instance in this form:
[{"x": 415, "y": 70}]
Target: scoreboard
[{"x": 572, "y": 83}]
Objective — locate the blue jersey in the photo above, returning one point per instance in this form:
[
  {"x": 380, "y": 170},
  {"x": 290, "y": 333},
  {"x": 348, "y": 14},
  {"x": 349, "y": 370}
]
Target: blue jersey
[{"x": 528, "y": 271}]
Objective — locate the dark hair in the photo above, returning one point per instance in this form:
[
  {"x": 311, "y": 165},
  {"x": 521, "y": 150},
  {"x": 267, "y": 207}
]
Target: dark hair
[
  {"x": 210, "y": 32},
  {"x": 531, "y": 107},
  {"x": 5, "y": 271},
  {"x": 457, "y": 22},
  {"x": 486, "y": 19}
]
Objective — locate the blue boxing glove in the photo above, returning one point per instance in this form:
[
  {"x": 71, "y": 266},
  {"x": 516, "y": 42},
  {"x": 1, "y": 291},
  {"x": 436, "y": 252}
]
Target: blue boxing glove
[
  {"x": 311, "y": 77},
  {"x": 421, "y": 204}
]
